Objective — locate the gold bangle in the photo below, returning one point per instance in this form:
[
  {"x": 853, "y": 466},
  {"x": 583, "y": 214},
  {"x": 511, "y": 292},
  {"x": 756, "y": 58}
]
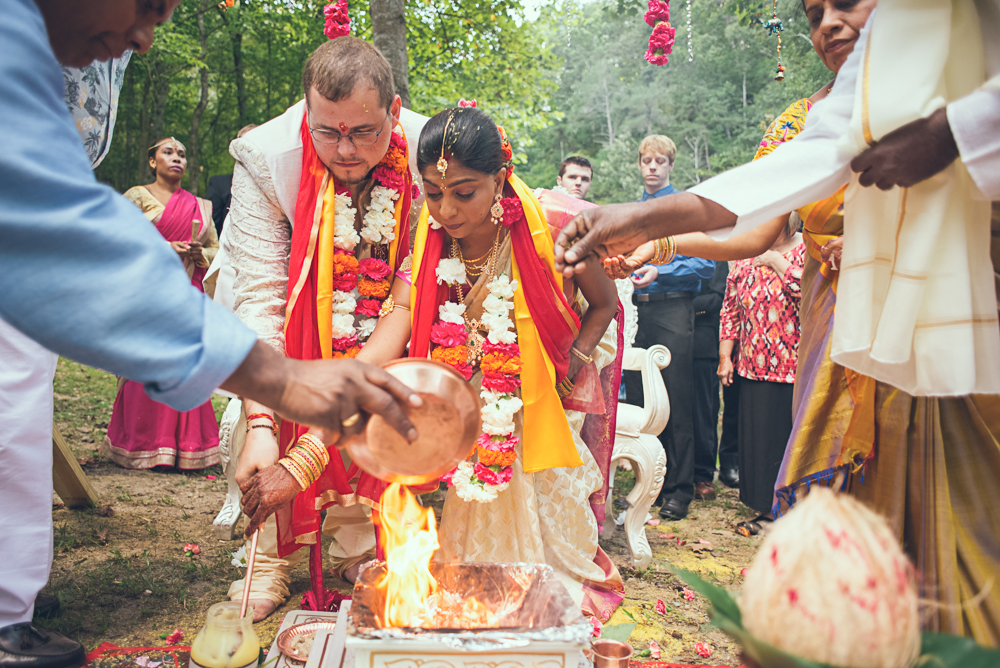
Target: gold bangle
[
  {"x": 311, "y": 443},
  {"x": 294, "y": 471},
  {"x": 587, "y": 359}
]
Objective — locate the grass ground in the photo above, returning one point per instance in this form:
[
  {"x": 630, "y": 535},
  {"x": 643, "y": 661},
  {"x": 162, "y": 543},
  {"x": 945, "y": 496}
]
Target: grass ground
[{"x": 123, "y": 576}]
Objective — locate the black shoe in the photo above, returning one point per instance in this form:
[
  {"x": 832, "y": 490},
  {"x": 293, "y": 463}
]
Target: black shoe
[
  {"x": 46, "y": 606},
  {"x": 730, "y": 477},
  {"x": 673, "y": 510},
  {"x": 27, "y": 645}
]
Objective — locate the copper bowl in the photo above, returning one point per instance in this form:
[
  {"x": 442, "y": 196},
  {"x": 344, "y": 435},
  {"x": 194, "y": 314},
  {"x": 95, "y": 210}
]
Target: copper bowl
[{"x": 448, "y": 424}]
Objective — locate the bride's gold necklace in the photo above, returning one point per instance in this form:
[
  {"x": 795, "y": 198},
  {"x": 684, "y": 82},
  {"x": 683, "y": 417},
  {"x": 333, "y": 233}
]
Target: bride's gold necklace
[{"x": 476, "y": 339}]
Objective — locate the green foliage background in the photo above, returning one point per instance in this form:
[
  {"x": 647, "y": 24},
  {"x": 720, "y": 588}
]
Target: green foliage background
[{"x": 571, "y": 81}]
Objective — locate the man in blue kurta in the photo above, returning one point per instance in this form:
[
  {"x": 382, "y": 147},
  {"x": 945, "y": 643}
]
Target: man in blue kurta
[
  {"x": 85, "y": 275},
  {"x": 663, "y": 296}
]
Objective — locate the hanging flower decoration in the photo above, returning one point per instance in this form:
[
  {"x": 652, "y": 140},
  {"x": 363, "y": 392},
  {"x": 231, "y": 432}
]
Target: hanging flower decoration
[
  {"x": 484, "y": 479},
  {"x": 338, "y": 23},
  {"x": 360, "y": 286},
  {"x": 661, "y": 42},
  {"x": 774, "y": 26},
  {"x": 658, "y": 11}
]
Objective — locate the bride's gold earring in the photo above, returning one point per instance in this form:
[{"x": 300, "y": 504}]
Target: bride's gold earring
[{"x": 496, "y": 211}]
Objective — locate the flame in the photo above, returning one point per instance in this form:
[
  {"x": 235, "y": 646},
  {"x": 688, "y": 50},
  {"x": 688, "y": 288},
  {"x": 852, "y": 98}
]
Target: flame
[{"x": 409, "y": 539}]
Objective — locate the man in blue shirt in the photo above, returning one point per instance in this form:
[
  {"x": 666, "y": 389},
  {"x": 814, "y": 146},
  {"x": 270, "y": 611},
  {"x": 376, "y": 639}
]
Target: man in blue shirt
[
  {"x": 85, "y": 275},
  {"x": 663, "y": 297}
]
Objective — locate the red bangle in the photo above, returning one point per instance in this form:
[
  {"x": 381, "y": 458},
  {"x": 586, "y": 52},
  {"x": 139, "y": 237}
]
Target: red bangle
[{"x": 261, "y": 416}]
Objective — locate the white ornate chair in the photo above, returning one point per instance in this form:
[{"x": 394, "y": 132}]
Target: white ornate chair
[{"x": 636, "y": 434}]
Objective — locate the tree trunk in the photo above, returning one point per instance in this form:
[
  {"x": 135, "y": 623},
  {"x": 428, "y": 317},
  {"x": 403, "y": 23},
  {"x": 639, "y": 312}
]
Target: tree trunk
[
  {"x": 607, "y": 112},
  {"x": 389, "y": 35},
  {"x": 241, "y": 86},
  {"x": 194, "y": 168},
  {"x": 141, "y": 170}
]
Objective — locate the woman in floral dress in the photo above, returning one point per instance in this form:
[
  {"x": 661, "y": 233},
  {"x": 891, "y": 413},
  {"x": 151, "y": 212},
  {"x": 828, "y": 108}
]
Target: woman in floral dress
[{"x": 760, "y": 315}]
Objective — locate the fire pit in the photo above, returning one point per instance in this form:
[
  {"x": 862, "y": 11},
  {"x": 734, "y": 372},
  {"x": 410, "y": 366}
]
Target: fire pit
[{"x": 479, "y": 614}]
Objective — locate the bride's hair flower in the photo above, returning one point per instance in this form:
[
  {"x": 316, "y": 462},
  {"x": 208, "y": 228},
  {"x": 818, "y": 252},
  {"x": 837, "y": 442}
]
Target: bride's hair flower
[{"x": 513, "y": 211}]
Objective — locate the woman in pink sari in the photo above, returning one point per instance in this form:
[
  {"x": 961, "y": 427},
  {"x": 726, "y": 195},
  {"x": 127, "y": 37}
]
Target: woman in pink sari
[{"x": 144, "y": 433}]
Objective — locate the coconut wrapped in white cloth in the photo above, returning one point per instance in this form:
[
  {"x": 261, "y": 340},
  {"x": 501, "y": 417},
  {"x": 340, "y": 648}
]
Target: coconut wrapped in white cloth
[{"x": 831, "y": 584}]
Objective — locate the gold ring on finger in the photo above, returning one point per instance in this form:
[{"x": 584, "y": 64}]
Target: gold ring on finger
[{"x": 351, "y": 421}]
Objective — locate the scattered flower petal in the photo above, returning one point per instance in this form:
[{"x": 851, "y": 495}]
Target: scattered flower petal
[
  {"x": 210, "y": 477},
  {"x": 688, "y": 594},
  {"x": 596, "y": 623},
  {"x": 655, "y": 522},
  {"x": 704, "y": 649},
  {"x": 654, "y": 649},
  {"x": 175, "y": 637},
  {"x": 661, "y": 607},
  {"x": 743, "y": 571},
  {"x": 192, "y": 548}
]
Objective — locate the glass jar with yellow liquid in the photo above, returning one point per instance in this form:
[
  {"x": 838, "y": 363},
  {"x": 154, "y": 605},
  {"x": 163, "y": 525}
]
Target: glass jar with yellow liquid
[{"x": 226, "y": 641}]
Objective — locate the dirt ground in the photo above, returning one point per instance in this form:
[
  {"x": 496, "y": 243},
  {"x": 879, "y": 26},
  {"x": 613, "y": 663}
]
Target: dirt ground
[{"x": 122, "y": 575}]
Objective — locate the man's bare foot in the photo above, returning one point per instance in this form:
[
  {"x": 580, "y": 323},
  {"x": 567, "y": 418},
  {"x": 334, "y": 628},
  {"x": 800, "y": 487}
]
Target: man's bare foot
[
  {"x": 262, "y": 608},
  {"x": 351, "y": 573}
]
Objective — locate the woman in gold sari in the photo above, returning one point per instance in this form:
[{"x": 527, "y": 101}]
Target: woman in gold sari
[{"x": 930, "y": 465}]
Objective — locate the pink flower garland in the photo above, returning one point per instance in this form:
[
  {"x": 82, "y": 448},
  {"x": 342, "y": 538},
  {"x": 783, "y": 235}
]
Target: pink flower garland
[
  {"x": 338, "y": 23},
  {"x": 658, "y": 11},
  {"x": 661, "y": 42}
]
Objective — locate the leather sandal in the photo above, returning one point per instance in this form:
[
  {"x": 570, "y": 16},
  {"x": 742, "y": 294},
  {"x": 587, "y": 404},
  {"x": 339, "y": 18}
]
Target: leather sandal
[{"x": 756, "y": 526}]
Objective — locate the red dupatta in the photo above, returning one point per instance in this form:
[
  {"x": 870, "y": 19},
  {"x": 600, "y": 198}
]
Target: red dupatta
[{"x": 299, "y": 523}]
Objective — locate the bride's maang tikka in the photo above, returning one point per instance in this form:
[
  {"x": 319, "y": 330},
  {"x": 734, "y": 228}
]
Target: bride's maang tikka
[{"x": 442, "y": 163}]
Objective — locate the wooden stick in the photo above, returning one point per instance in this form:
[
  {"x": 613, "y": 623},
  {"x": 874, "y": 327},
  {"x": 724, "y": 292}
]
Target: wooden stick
[{"x": 249, "y": 577}]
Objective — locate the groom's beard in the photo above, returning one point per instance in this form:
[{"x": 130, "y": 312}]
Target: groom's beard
[{"x": 354, "y": 175}]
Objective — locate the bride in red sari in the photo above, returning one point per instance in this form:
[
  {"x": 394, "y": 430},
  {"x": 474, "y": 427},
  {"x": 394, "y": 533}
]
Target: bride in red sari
[{"x": 144, "y": 433}]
